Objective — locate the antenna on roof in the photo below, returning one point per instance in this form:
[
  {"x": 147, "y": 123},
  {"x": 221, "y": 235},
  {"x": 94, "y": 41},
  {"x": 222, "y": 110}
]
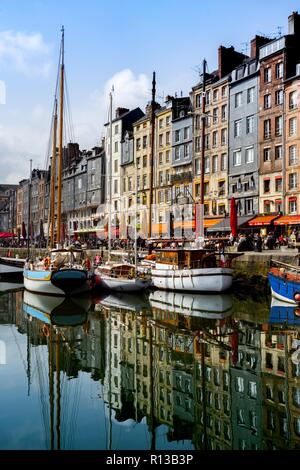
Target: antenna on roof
[
  {"x": 245, "y": 48},
  {"x": 279, "y": 31}
]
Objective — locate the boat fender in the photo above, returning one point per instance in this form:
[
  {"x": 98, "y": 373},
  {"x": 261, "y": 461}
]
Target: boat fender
[
  {"x": 297, "y": 296},
  {"x": 46, "y": 330},
  {"x": 296, "y": 357}
]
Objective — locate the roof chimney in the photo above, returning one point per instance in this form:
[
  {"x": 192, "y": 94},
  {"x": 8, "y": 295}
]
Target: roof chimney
[
  {"x": 121, "y": 111},
  {"x": 256, "y": 43},
  {"x": 294, "y": 23},
  {"x": 228, "y": 59}
]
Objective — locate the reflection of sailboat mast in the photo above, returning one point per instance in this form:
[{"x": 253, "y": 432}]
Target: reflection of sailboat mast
[
  {"x": 51, "y": 387},
  {"x": 109, "y": 389},
  {"x": 28, "y": 360},
  {"x": 152, "y": 415},
  {"x": 57, "y": 392},
  {"x": 203, "y": 392}
]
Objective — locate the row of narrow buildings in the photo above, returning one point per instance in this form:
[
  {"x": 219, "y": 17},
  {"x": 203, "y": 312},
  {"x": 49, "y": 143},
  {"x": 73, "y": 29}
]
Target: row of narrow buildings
[{"x": 251, "y": 152}]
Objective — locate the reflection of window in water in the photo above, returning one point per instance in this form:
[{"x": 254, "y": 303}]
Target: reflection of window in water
[
  {"x": 297, "y": 426},
  {"x": 296, "y": 397},
  {"x": 252, "y": 390},
  {"x": 239, "y": 384},
  {"x": 2, "y": 352}
]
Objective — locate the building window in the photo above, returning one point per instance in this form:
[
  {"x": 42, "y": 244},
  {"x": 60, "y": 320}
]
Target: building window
[
  {"x": 267, "y": 207},
  {"x": 278, "y": 152},
  {"x": 293, "y": 126},
  {"x": 214, "y": 163},
  {"x": 237, "y": 128},
  {"x": 221, "y": 188},
  {"x": 160, "y": 158},
  {"x": 267, "y": 128},
  {"x": 267, "y": 154},
  {"x": 267, "y": 74},
  {"x": 168, "y": 138},
  {"x": 279, "y": 70},
  {"x": 138, "y": 144},
  {"x": 144, "y": 141},
  {"x": 161, "y": 178},
  {"x": 238, "y": 99},
  {"x": 161, "y": 123},
  {"x": 197, "y": 166},
  {"x": 279, "y": 97},
  {"x": 167, "y": 120},
  {"x": 115, "y": 186},
  {"x": 215, "y": 115},
  {"x": 160, "y": 140},
  {"x": 186, "y": 133},
  {"x": 206, "y": 165},
  {"x": 224, "y": 112},
  {"x": 249, "y": 152},
  {"x": 223, "y": 136},
  {"x": 206, "y": 188},
  {"x": 267, "y": 101},
  {"x": 249, "y": 124},
  {"x": 223, "y": 161},
  {"x": 293, "y": 155},
  {"x": 278, "y": 184},
  {"x": 116, "y": 129},
  {"x": 237, "y": 158},
  {"x": 206, "y": 209},
  {"x": 250, "y": 95},
  {"x": 144, "y": 161},
  {"x": 198, "y": 100},
  {"x": 167, "y": 156},
  {"x": 215, "y": 139},
  {"x": 144, "y": 181},
  {"x": 293, "y": 181},
  {"x": 207, "y": 97},
  {"x": 197, "y": 121},
  {"x": 177, "y": 153},
  {"x": 224, "y": 91},
  {"x": 248, "y": 206},
  {"x": 215, "y": 95},
  {"x": 186, "y": 149},
  {"x": 116, "y": 146},
  {"x": 197, "y": 190},
  {"x": 293, "y": 206},
  {"x": 278, "y": 125},
  {"x": 293, "y": 100},
  {"x": 197, "y": 144},
  {"x": 266, "y": 186}
]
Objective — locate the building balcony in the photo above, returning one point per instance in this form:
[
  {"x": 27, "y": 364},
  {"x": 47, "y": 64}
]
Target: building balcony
[{"x": 184, "y": 176}]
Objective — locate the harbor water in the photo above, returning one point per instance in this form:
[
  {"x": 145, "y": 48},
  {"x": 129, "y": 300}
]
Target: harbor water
[{"x": 164, "y": 371}]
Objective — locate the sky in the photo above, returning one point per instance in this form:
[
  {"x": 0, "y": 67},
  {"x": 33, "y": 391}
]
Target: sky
[{"x": 109, "y": 43}]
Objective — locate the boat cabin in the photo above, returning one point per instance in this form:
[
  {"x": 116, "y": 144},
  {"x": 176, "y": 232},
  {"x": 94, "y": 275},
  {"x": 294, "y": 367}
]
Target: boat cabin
[
  {"x": 177, "y": 258},
  {"x": 63, "y": 258},
  {"x": 118, "y": 270},
  {"x": 185, "y": 258}
]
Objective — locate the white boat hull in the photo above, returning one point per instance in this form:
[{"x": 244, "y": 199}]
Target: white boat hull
[
  {"x": 286, "y": 300},
  {"x": 121, "y": 285},
  {"x": 199, "y": 280},
  {"x": 198, "y": 305},
  {"x": 43, "y": 285}
]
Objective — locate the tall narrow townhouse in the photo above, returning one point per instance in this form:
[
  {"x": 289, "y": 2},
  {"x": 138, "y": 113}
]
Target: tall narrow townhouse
[
  {"x": 162, "y": 168},
  {"x": 292, "y": 148},
  {"x": 243, "y": 182},
  {"x": 136, "y": 155},
  {"x": 278, "y": 60},
  {"x": 122, "y": 123},
  {"x": 181, "y": 222},
  {"x": 216, "y": 134}
]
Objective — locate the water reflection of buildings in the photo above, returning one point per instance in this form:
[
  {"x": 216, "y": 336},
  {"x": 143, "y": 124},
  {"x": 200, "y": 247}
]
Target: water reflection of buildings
[{"x": 219, "y": 383}]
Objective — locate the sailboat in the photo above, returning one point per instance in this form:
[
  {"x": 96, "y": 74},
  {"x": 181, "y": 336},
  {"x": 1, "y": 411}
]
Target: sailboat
[
  {"x": 194, "y": 268},
  {"x": 120, "y": 277},
  {"x": 64, "y": 272}
]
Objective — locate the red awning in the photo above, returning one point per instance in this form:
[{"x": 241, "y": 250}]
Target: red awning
[
  {"x": 262, "y": 220},
  {"x": 6, "y": 235},
  {"x": 288, "y": 220}
]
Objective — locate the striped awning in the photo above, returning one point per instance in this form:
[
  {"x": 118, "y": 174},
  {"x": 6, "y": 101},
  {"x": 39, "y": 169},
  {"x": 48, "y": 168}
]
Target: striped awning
[
  {"x": 288, "y": 220},
  {"x": 262, "y": 220},
  {"x": 211, "y": 222}
]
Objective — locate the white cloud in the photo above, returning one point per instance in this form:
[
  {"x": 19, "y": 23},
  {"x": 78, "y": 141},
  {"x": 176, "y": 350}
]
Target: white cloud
[
  {"x": 25, "y": 52},
  {"x": 21, "y": 140}
]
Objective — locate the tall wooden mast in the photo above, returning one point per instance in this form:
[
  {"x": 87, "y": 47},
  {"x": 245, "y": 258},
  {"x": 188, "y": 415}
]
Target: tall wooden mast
[
  {"x": 60, "y": 142},
  {"x": 152, "y": 156},
  {"x": 53, "y": 177},
  {"x": 200, "y": 213}
]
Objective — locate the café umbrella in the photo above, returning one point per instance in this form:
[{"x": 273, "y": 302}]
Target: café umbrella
[{"x": 233, "y": 217}]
